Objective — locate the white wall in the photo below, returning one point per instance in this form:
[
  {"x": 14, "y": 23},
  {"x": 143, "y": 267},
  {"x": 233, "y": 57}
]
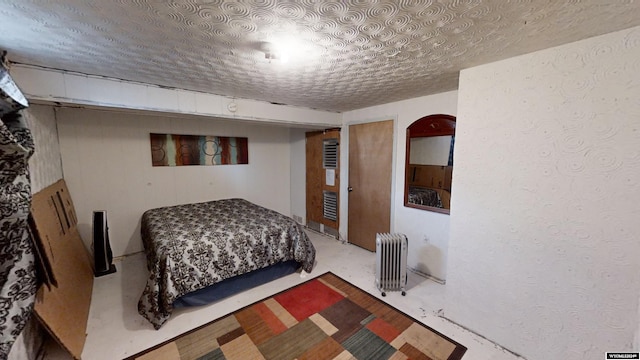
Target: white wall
[
  {"x": 430, "y": 150},
  {"x": 298, "y": 174},
  {"x": 106, "y": 158},
  {"x": 44, "y": 165},
  {"x": 428, "y": 232},
  {"x": 62, "y": 87},
  {"x": 543, "y": 256}
]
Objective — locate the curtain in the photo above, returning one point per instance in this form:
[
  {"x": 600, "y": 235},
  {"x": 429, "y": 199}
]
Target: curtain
[{"x": 18, "y": 283}]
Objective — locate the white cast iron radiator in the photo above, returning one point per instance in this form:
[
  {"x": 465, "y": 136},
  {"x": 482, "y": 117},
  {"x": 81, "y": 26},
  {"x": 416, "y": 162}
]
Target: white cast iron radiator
[{"x": 391, "y": 262}]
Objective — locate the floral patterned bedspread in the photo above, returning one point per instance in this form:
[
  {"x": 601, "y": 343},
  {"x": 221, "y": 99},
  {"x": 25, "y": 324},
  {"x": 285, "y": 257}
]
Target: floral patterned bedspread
[{"x": 192, "y": 246}]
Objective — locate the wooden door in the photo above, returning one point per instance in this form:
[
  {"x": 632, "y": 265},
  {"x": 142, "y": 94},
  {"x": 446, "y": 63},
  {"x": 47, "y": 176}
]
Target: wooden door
[
  {"x": 370, "y": 156},
  {"x": 316, "y": 184}
]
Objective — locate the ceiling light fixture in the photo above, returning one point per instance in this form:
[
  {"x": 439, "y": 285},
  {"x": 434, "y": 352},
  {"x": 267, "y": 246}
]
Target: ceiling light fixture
[
  {"x": 288, "y": 49},
  {"x": 272, "y": 52}
]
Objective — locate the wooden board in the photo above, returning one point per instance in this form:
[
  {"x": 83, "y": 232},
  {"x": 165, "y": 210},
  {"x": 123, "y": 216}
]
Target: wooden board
[
  {"x": 63, "y": 307},
  {"x": 431, "y": 176},
  {"x": 316, "y": 177}
]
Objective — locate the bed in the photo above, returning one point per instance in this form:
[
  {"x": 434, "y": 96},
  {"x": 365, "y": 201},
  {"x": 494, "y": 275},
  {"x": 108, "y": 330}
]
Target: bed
[
  {"x": 195, "y": 250},
  {"x": 425, "y": 196}
]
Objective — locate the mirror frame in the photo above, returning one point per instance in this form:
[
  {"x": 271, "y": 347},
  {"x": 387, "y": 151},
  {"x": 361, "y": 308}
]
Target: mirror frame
[{"x": 427, "y": 126}]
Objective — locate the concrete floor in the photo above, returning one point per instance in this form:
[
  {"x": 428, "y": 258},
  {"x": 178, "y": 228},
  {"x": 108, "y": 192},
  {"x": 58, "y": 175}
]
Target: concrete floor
[{"x": 115, "y": 330}]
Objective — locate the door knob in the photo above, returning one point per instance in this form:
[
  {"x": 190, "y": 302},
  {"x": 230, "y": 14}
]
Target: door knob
[{"x": 349, "y": 189}]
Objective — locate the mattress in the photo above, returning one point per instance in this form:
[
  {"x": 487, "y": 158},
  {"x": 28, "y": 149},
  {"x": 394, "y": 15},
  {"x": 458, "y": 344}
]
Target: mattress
[
  {"x": 424, "y": 196},
  {"x": 236, "y": 284}
]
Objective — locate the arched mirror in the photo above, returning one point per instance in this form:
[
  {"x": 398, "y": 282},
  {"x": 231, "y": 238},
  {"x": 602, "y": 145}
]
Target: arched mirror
[{"x": 429, "y": 163}]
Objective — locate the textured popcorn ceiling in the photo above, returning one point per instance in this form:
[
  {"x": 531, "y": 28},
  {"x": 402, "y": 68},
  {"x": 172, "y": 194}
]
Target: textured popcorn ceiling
[{"x": 350, "y": 54}]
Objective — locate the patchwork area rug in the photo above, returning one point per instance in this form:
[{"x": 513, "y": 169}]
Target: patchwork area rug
[{"x": 323, "y": 318}]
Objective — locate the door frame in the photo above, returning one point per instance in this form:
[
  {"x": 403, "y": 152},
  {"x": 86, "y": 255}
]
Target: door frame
[{"x": 344, "y": 173}]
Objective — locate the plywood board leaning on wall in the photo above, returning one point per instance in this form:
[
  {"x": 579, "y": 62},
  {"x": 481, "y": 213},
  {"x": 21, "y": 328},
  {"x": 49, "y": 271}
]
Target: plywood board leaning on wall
[{"x": 62, "y": 305}]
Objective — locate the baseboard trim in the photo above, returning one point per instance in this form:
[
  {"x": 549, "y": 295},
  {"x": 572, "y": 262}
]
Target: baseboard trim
[
  {"x": 440, "y": 314},
  {"x": 428, "y": 276}
]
